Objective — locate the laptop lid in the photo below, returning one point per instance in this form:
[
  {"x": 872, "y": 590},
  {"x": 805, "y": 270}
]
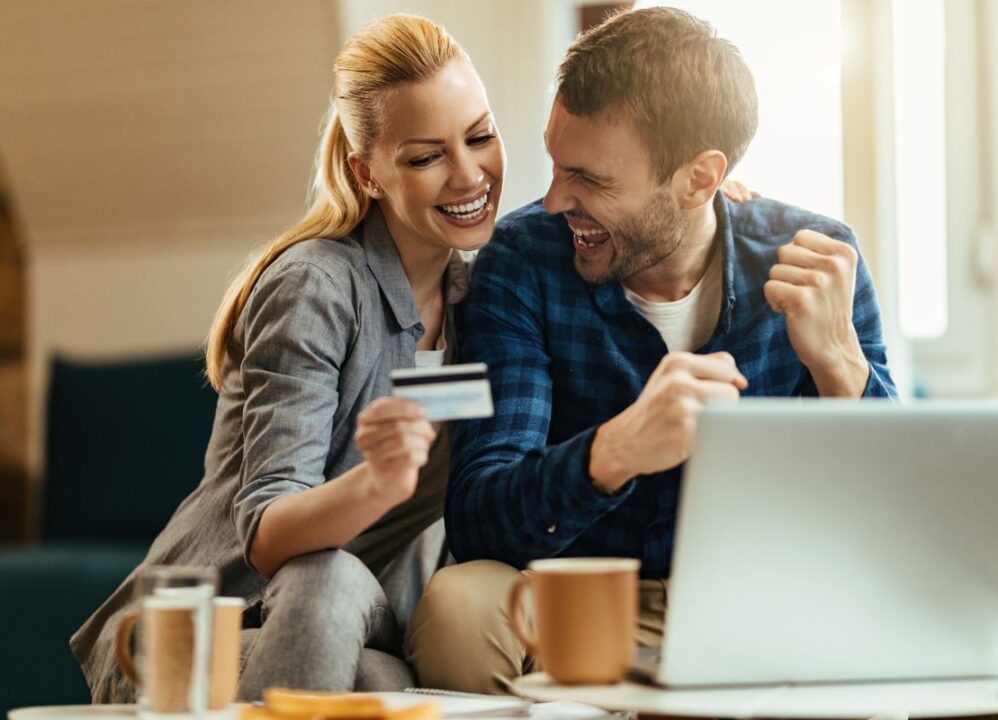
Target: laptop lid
[{"x": 836, "y": 541}]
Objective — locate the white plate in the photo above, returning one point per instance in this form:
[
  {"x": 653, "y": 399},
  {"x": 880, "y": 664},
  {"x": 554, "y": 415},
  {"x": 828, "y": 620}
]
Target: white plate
[{"x": 72, "y": 712}]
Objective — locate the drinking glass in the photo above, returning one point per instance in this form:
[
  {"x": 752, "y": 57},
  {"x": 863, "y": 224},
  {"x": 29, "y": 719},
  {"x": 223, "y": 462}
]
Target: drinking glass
[{"x": 171, "y": 662}]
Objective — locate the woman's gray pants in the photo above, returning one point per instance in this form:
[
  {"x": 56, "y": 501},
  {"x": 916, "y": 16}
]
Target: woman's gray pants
[{"x": 329, "y": 624}]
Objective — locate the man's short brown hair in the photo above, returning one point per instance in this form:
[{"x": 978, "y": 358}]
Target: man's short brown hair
[{"x": 685, "y": 88}]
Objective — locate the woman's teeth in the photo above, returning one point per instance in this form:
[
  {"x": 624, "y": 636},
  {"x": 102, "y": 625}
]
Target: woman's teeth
[{"x": 466, "y": 211}]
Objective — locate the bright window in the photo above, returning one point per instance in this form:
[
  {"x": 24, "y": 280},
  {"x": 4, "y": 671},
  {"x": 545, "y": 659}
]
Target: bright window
[
  {"x": 920, "y": 164},
  {"x": 794, "y": 50}
]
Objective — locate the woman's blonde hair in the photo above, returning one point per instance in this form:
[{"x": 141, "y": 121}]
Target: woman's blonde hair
[{"x": 388, "y": 51}]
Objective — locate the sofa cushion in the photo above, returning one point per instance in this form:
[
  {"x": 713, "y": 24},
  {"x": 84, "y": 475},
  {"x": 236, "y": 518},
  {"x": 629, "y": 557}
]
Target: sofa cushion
[
  {"x": 48, "y": 591},
  {"x": 125, "y": 444}
]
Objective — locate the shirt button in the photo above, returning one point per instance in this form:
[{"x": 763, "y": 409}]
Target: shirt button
[{"x": 552, "y": 529}]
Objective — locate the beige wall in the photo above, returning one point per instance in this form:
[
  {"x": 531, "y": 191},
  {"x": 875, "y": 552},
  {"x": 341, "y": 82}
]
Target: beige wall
[{"x": 138, "y": 123}]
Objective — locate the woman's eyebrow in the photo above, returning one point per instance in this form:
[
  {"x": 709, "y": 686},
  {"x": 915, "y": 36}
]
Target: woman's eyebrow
[{"x": 437, "y": 141}]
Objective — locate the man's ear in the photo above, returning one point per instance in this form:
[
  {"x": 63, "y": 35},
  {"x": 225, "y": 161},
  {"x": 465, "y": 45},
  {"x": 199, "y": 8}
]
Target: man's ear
[
  {"x": 362, "y": 172},
  {"x": 696, "y": 182}
]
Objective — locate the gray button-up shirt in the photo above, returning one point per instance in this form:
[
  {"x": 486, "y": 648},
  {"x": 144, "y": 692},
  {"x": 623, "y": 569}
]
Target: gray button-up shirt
[{"x": 323, "y": 327}]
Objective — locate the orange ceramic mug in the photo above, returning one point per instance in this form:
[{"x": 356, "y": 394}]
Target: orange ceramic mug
[{"x": 585, "y": 616}]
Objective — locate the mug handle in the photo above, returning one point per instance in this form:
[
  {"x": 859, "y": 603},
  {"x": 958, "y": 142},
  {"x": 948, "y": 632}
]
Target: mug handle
[
  {"x": 516, "y": 613},
  {"x": 123, "y": 646}
]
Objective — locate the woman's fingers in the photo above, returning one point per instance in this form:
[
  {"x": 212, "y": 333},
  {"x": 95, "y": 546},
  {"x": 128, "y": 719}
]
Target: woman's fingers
[
  {"x": 390, "y": 408},
  {"x": 409, "y": 455},
  {"x": 389, "y": 418},
  {"x": 395, "y": 437},
  {"x": 395, "y": 459},
  {"x": 370, "y": 436}
]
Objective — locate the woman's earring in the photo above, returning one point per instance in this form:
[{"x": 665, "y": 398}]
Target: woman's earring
[{"x": 374, "y": 189}]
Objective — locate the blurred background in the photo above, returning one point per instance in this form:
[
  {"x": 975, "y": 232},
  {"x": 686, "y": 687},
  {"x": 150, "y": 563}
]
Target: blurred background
[{"x": 147, "y": 146}]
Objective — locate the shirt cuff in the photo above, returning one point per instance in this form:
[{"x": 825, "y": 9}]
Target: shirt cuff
[
  {"x": 249, "y": 504},
  {"x": 876, "y": 387},
  {"x": 583, "y": 497}
]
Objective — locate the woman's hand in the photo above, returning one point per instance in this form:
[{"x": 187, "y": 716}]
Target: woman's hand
[
  {"x": 737, "y": 192},
  {"x": 394, "y": 436}
]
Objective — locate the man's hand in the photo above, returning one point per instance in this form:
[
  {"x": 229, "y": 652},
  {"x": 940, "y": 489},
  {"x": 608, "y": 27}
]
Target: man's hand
[
  {"x": 813, "y": 285},
  {"x": 395, "y": 437},
  {"x": 656, "y": 431}
]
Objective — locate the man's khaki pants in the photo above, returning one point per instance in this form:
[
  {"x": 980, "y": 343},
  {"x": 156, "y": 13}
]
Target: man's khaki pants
[{"x": 460, "y": 636}]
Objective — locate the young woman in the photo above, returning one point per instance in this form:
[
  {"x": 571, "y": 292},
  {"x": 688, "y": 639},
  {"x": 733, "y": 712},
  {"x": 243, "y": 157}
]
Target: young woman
[{"x": 322, "y": 495}]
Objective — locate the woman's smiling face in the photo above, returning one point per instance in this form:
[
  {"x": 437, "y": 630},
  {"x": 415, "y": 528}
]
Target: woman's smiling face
[{"x": 439, "y": 161}]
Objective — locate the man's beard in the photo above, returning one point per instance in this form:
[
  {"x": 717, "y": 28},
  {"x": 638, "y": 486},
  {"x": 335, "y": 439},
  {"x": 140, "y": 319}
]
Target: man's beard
[{"x": 640, "y": 241}]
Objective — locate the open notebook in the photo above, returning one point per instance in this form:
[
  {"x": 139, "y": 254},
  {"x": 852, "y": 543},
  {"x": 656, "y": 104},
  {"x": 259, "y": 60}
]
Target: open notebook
[{"x": 466, "y": 705}]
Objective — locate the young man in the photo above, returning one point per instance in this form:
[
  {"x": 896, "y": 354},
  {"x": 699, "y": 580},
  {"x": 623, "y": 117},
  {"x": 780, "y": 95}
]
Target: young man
[{"x": 610, "y": 315}]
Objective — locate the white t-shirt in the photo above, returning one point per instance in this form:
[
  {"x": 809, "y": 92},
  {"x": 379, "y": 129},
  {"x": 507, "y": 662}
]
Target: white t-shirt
[
  {"x": 436, "y": 356},
  {"x": 686, "y": 324}
]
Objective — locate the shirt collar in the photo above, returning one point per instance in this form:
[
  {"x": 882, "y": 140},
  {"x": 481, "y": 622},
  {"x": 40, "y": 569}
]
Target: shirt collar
[
  {"x": 383, "y": 259},
  {"x": 611, "y": 299},
  {"x": 725, "y": 234}
]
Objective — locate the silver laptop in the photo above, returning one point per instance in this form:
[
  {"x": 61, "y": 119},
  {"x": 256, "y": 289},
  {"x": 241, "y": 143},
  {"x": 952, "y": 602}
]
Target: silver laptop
[{"x": 827, "y": 541}]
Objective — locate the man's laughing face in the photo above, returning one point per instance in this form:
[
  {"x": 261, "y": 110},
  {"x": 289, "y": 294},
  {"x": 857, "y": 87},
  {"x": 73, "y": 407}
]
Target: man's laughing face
[{"x": 623, "y": 219}]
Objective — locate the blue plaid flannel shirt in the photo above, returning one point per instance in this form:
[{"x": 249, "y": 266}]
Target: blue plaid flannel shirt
[{"x": 564, "y": 356}]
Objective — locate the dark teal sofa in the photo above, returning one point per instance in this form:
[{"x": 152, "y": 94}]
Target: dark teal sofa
[{"x": 125, "y": 443}]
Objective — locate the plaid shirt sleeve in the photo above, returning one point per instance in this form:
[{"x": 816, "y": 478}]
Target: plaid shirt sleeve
[
  {"x": 511, "y": 497},
  {"x": 866, "y": 319}
]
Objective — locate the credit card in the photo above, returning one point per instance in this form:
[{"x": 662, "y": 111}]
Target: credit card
[{"x": 451, "y": 392}]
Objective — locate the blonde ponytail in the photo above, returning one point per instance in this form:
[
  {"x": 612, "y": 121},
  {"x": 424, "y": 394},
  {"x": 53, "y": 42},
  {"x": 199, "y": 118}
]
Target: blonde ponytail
[
  {"x": 386, "y": 52},
  {"x": 337, "y": 207}
]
